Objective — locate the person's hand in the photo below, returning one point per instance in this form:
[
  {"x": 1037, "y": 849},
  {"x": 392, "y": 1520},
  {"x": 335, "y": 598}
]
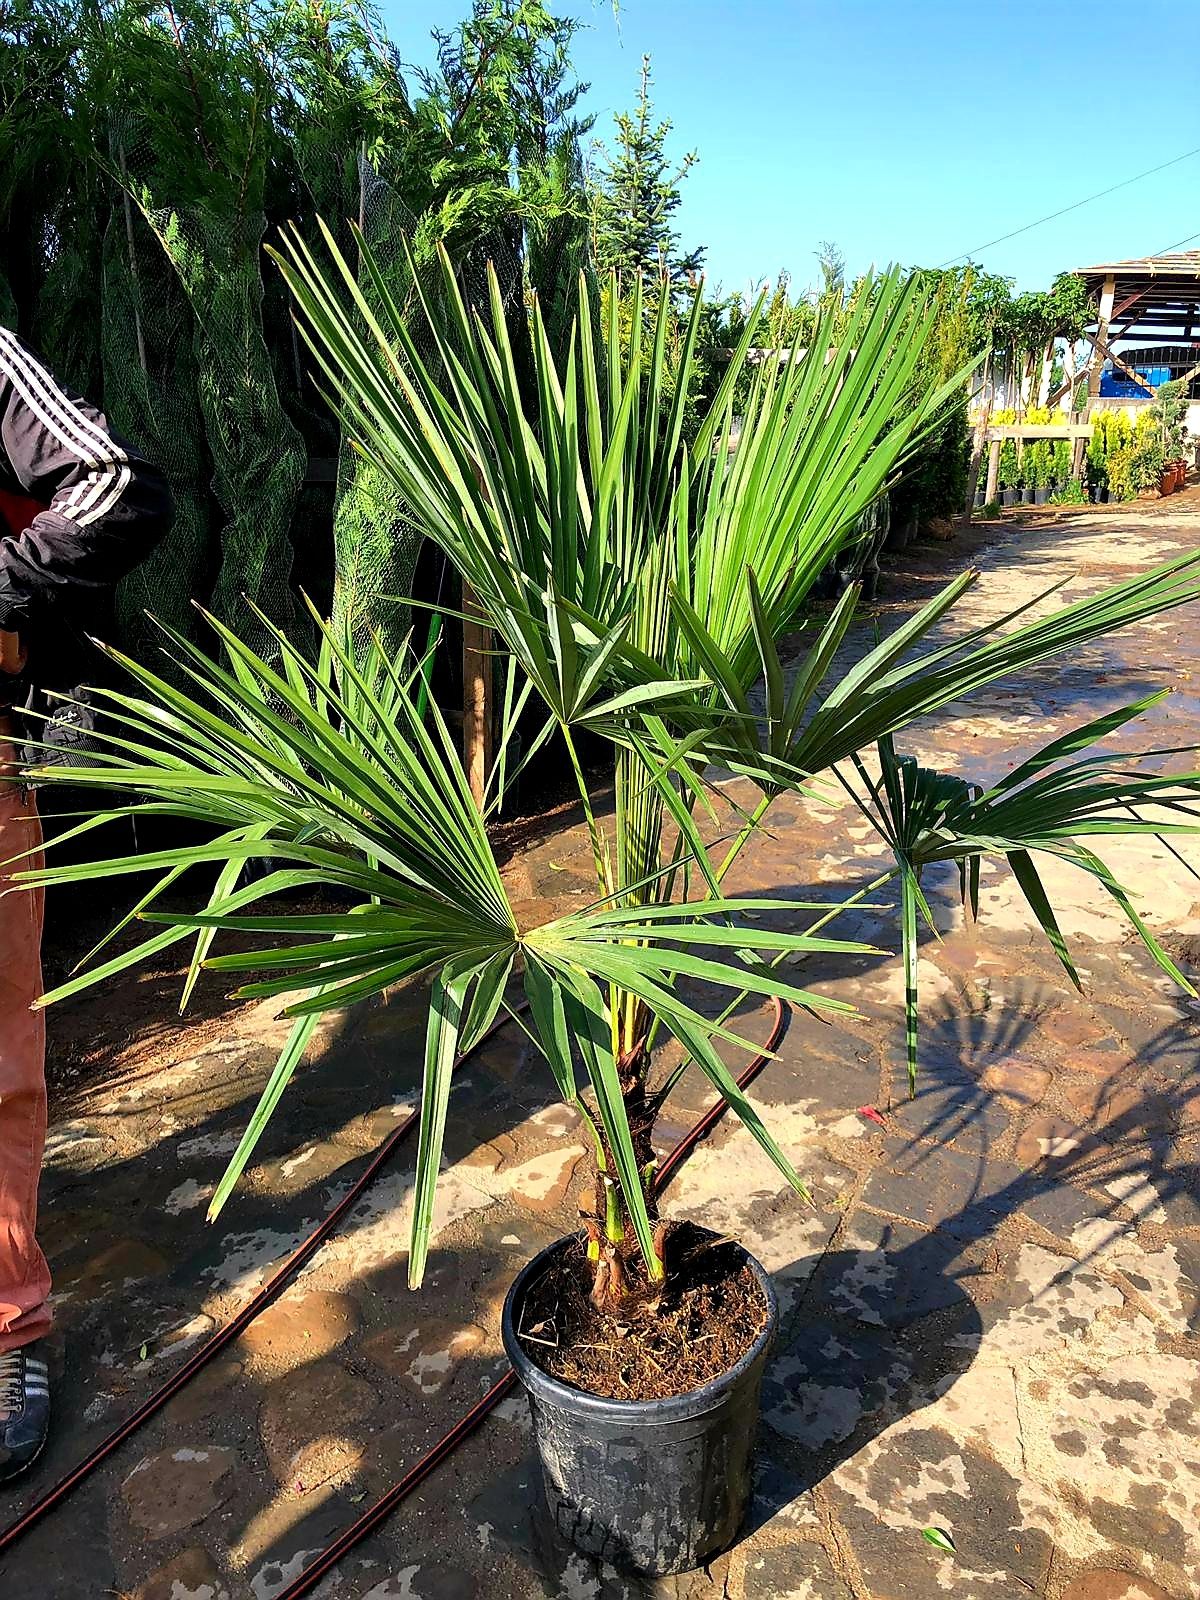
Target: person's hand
[{"x": 13, "y": 654}]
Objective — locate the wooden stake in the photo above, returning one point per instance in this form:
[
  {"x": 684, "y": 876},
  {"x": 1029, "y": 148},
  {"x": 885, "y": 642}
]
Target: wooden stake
[
  {"x": 477, "y": 698},
  {"x": 993, "y": 473}
]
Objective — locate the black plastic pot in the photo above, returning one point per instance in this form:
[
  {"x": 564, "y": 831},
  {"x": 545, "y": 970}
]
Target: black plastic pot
[
  {"x": 1041, "y": 495},
  {"x": 1027, "y": 497},
  {"x": 656, "y": 1486},
  {"x": 1008, "y": 497}
]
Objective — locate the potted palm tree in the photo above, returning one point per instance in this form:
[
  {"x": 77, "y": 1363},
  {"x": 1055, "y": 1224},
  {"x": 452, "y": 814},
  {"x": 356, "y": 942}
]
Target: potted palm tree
[{"x": 639, "y": 577}]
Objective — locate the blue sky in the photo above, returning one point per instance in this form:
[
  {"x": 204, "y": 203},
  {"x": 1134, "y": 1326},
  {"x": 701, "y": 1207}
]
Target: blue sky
[{"x": 912, "y": 130}]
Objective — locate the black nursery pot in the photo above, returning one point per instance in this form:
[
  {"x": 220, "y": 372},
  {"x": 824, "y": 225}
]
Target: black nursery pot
[{"x": 656, "y": 1486}]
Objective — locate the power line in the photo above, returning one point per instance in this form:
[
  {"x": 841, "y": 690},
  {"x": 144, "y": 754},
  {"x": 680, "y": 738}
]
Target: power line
[
  {"x": 1124, "y": 184},
  {"x": 1167, "y": 248}
]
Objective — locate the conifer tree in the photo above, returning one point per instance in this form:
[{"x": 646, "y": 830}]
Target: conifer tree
[{"x": 635, "y": 193}]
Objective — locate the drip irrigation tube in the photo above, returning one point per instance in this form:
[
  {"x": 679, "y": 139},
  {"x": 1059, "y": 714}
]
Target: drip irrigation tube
[{"x": 274, "y": 1287}]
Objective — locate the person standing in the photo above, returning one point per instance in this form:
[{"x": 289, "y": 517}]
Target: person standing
[{"x": 79, "y": 507}]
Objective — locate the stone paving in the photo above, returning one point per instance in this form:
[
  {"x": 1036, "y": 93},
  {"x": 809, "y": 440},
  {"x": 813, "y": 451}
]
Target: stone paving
[{"x": 991, "y": 1315}]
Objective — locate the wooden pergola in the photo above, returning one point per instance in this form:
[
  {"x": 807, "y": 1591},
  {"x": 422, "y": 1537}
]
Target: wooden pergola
[{"x": 1156, "y": 298}]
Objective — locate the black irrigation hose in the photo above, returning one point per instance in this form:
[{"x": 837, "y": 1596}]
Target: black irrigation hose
[{"x": 447, "y": 1444}]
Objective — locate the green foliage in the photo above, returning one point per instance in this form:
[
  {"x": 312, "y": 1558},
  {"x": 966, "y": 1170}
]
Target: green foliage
[
  {"x": 1111, "y": 443},
  {"x": 1060, "y": 461},
  {"x": 1146, "y": 466},
  {"x": 936, "y": 482},
  {"x": 1009, "y": 476},
  {"x": 1037, "y": 464},
  {"x": 1169, "y": 410},
  {"x": 635, "y": 193},
  {"x": 146, "y": 153},
  {"x": 1120, "y": 467},
  {"x": 989, "y": 297},
  {"x": 640, "y": 581},
  {"x": 1069, "y": 493},
  {"x": 637, "y": 580}
]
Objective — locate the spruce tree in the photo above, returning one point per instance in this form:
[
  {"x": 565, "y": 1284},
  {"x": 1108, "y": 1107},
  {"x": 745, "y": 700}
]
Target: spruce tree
[{"x": 635, "y": 193}]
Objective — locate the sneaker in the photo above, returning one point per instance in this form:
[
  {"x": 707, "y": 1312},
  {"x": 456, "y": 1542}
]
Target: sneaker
[{"x": 24, "y": 1409}]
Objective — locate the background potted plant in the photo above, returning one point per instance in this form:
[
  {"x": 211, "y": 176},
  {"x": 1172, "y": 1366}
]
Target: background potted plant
[
  {"x": 1008, "y": 475},
  {"x": 1025, "y": 473},
  {"x": 1096, "y": 460},
  {"x": 1120, "y": 469},
  {"x": 1037, "y": 470},
  {"x": 638, "y": 577},
  {"x": 1060, "y": 464}
]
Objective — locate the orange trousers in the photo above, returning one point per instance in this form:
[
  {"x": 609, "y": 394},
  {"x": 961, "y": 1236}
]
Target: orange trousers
[{"x": 24, "y": 1275}]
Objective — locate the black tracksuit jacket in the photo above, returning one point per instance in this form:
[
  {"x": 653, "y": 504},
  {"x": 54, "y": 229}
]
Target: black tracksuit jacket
[{"x": 106, "y": 508}]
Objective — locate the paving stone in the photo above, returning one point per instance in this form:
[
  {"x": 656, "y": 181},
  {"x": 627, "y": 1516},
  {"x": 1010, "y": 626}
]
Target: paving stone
[
  {"x": 889, "y": 1274},
  {"x": 214, "y": 1389},
  {"x": 301, "y": 1326},
  {"x": 1107, "y": 1584},
  {"x": 177, "y": 1488},
  {"x": 1068, "y": 1027},
  {"x": 949, "y": 1108},
  {"x": 76, "y": 1147},
  {"x": 1056, "y": 1205},
  {"x": 484, "y": 1157},
  {"x": 1051, "y": 1142},
  {"x": 369, "y": 1130},
  {"x": 1174, "y": 1052},
  {"x": 500, "y": 1514},
  {"x": 117, "y": 1267},
  {"x": 824, "y": 1381},
  {"x": 1115, "y": 1110},
  {"x": 746, "y": 1196},
  {"x": 782, "y": 1502},
  {"x": 426, "y": 1580},
  {"x": 76, "y": 1560},
  {"x": 542, "y": 1183},
  {"x": 961, "y": 1194},
  {"x": 556, "y": 1121},
  {"x": 309, "y": 1165},
  {"x": 922, "y": 1341},
  {"x": 193, "y": 1575},
  {"x": 1042, "y": 1302},
  {"x": 277, "y": 1546},
  {"x": 791, "y": 1572},
  {"x": 1020, "y": 1084},
  {"x": 426, "y": 1354},
  {"x": 323, "y": 1403},
  {"x": 920, "y": 1477}
]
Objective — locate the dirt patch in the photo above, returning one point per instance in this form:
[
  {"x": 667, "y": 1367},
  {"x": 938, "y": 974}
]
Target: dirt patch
[{"x": 709, "y": 1316}]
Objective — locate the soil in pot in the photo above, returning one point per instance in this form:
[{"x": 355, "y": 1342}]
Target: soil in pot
[{"x": 710, "y": 1314}]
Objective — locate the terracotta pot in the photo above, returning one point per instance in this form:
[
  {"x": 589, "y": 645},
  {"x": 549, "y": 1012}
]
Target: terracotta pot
[{"x": 1166, "y": 481}]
